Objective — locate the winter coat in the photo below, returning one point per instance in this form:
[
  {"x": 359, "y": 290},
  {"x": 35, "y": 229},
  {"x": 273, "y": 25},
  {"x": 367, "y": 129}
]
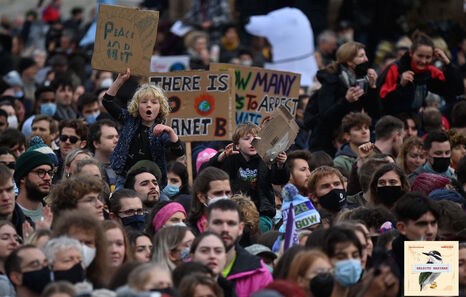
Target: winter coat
[
  {"x": 396, "y": 99},
  {"x": 345, "y": 158},
  {"x": 248, "y": 273},
  {"x": 326, "y": 109},
  {"x": 263, "y": 195}
]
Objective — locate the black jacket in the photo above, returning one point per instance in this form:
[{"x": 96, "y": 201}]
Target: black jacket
[
  {"x": 259, "y": 188},
  {"x": 326, "y": 109},
  {"x": 18, "y": 219}
]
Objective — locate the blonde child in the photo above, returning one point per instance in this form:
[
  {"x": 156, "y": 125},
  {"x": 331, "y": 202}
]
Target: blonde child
[
  {"x": 248, "y": 172},
  {"x": 143, "y": 135}
]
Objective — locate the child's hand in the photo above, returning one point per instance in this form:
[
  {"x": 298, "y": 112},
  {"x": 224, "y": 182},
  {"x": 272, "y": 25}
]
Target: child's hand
[
  {"x": 160, "y": 128},
  {"x": 229, "y": 150},
  {"x": 124, "y": 76},
  {"x": 281, "y": 159},
  {"x": 121, "y": 79}
]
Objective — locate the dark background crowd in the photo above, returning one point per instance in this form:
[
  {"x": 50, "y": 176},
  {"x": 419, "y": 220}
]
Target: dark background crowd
[{"x": 95, "y": 194}]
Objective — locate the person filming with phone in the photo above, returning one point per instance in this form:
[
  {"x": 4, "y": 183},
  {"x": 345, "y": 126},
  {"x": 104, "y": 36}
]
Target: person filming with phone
[{"x": 348, "y": 85}]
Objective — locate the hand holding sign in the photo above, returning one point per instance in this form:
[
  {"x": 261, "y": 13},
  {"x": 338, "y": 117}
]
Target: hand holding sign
[{"x": 281, "y": 159}]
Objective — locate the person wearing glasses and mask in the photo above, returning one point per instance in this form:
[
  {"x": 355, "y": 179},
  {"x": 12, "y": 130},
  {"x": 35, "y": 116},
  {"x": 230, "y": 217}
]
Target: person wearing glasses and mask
[
  {"x": 33, "y": 176},
  {"x": 125, "y": 206},
  {"x": 72, "y": 134}
]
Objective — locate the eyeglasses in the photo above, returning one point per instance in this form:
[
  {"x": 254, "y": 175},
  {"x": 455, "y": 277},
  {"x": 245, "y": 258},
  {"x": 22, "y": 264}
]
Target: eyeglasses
[
  {"x": 10, "y": 165},
  {"x": 132, "y": 212},
  {"x": 73, "y": 139},
  {"x": 41, "y": 172}
]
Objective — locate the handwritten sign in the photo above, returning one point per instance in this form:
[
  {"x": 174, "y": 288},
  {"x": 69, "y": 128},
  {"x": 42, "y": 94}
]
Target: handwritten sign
[
  {"x": 201, "y": 103},
  {"x": 125, "y": 37},
  {"x": 169, "y": 63},
  {"x": 260, "y": 91}
]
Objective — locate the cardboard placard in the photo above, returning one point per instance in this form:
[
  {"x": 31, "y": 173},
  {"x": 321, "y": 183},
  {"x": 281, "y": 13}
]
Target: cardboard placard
[
  {"x": 276, "y": 135},
  {"x": 201, "y": 103},
  {"x": 260, "y": 91},
  {"x": 169, "y": 63},
  {"x": 125, "y": 37},
  {"x": 424, "y": 258}
]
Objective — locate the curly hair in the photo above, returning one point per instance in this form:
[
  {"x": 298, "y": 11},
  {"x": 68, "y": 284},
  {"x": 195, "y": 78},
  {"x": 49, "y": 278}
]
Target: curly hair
[
  {"x": 149, "y": 91},
  {"x": 66, "y": 194},
  {"x": 248, "y": 211}
]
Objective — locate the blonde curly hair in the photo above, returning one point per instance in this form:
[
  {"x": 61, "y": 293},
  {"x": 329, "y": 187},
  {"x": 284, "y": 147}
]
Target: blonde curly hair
[{"x": 149, "y": 91}]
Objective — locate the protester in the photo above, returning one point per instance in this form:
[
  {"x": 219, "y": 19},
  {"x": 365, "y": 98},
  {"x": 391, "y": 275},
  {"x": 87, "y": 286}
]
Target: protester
[
  {"x": 125, "y": 207},
  {"x": 118, "y": 251},
  {"x": 411, "y": 155},
  {"x": 143, "y": 135},
  {"x": 388, "y": 184},
  {"x": 140, "y": 244}
]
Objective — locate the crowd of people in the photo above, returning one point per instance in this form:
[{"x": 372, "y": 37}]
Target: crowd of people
[{"x": 96, "y": 198}]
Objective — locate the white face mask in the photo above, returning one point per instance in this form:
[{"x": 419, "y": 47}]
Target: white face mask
[
  {"x": 215, "y": 199},
  {"x": 12, "y": 122},
  {"x": 88, "y": 255},
  {"x": 179, "y": 224}
]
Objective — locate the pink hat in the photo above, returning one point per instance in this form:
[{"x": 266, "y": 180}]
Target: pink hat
[
  {"x": 204, "y": 156},
  {"x": 427, "y": 182},
  {"x": 165, "y": 213}
]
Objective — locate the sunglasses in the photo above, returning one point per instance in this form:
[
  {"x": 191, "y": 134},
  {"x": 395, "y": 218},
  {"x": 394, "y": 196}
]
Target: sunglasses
[
  {"x": 10, "y": 165},
  {"x": 73, "y": 139}
]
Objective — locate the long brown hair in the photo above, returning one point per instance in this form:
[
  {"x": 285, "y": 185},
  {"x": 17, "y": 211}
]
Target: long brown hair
[
  {"x": 345, "y": 53},
  {"x": 111, "y": 224}
]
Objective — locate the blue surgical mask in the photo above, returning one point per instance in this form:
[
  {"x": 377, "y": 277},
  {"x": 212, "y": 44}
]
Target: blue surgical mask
[
  {"x": 185, "y": 254},
  {"x": 348, "y": 272},
  {"x": 48, "y": 109},
  {"x": 171, "y": 190},
  {"x": 92, "y": 118},
  {"x": 136, "y": 222}
]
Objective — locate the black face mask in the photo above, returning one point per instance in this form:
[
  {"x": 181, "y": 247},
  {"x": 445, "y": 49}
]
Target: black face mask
[
  {"x": 73, "y": 275},
  {"x": 333, "y": 200},
  {"x": 37, "y": 280},
  {"x": 361, "y": 69},
  {"x": 169, "y": 291},
  {"x": 136, "y": 222},
  {"x": 321, "y": 285},
  {"x": 389, "y": 194},
  {"x": 441, "y": 164}
]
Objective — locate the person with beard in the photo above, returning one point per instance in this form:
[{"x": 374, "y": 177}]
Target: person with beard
[
  {"x": 438, "y": 149},
  {"x": 387, "y": 185},
  {"x": 298, "y": 162},
  {"x": 326, "y": 189},
  {"x": 145, "y": 181},
  {"x": 389, "y": 135},
  {"x": 247, "y": 271},
  {"x": 33, "y": 176},
  {"x": 406, "y": 82},
  {"x": 348, "y": 85}
]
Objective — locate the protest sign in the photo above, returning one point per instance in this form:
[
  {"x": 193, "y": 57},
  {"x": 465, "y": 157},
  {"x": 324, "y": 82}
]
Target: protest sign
[
  {"x": 277, "y": 135},
  {"x": 260, "y": 91},
  {"x": 169, "y": 63},
  {"x": 125, "y": 37},
  {"x": 201, "y": 103}
]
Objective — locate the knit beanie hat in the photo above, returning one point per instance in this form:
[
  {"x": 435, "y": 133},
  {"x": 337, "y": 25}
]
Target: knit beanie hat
[
  {"x": 37, "y": 144},
  {"x": 427, "y": 182},
  {"x": 27, "y": 162},
  {"x": 152, "y": 166},
  {"x": 204, "y": 156},
  {"x": 444, "y": 194}
]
